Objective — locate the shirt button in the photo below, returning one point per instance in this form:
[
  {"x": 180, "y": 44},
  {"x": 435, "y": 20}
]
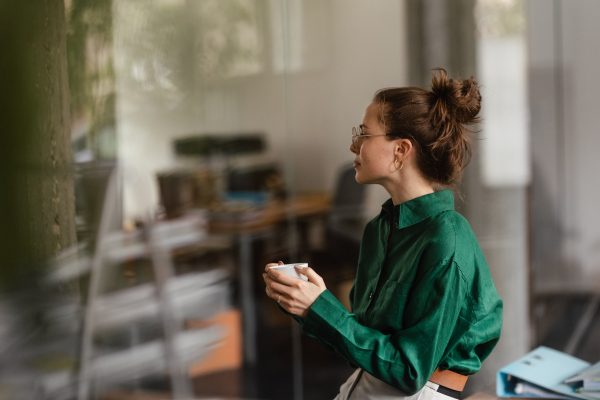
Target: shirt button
[
  {"x": 370, "y": 295},
  {"x": 397, "y": 225}
]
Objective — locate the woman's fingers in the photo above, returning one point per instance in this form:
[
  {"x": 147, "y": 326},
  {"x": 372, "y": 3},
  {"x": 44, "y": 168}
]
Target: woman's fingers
[
  {"x": 273, "y": 265},
  {"x": 312, "y": 276},
  {"x": 278, "y": 287},
  {"x": 283, "y": 278},
  {"x": 293, "y": 294},
  {"x": 282, "y": 299},
  {"x": 274, "y": 294},
  {"x": 274, "y": 290}
]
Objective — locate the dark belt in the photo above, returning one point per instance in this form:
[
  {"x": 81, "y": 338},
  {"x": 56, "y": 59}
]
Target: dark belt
[{"x": 449, "y": 392}]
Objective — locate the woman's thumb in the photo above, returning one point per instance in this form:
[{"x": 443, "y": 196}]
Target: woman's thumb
[{"x": 310, "y": 274}]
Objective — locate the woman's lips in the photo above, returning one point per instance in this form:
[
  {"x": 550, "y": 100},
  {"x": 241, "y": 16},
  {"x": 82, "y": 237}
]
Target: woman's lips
[{"x": 356, "y": 164}]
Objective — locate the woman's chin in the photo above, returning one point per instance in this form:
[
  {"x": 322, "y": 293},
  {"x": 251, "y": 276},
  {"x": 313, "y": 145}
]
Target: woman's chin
[
  {"x": 360, "y": 178},
  {"x": 365, "y": 179}
]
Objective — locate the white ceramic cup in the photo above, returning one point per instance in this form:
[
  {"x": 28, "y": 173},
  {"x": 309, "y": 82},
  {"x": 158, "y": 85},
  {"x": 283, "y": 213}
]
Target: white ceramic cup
[{"x": 289, "y": 269}]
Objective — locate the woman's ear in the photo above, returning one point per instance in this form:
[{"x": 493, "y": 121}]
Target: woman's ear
[{"x": 403, "y": 147}]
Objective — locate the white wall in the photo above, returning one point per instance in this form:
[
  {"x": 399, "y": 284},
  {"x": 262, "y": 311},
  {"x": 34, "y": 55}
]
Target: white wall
[{"x": 350, "y": 48}]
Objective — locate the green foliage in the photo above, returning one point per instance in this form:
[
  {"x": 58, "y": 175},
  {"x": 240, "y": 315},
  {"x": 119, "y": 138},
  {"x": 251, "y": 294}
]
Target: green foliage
[
  {"x": 497, "y": 18},
  {"x": 90, "y": 64},
  {"x": 229, "y": 40},
  {"x": 168, "y": 50}
]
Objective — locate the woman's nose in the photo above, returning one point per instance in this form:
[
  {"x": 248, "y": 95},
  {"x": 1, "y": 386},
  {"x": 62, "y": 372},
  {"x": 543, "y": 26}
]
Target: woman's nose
[{"x": 353, "y": 149}]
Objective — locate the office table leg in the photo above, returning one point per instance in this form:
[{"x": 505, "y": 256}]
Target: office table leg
[{"x": 247, "y": 299}]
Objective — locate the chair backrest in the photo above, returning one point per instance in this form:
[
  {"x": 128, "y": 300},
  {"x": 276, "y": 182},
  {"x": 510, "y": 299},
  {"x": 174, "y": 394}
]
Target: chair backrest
[
  {"x": 346, "y": 221},
  {"x": 349, "y": 197}
]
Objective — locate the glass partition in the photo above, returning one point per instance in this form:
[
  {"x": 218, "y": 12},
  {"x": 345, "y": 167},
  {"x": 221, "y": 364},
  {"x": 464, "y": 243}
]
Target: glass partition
[{"x": 177, "y": 147}]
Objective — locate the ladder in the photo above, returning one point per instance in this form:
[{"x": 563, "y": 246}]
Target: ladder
[{"x": 169, "y": 299}]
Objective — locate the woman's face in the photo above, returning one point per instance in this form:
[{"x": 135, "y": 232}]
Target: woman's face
[{"x": 374, "y": 160}]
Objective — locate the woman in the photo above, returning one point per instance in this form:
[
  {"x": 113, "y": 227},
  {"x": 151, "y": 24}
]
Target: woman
[{"x": 425, "y": 312}]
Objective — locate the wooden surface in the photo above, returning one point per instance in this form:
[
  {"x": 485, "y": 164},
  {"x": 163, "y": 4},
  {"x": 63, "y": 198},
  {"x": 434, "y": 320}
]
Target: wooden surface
[
  {"x": 303, "y": 205},
  {"x": 488, "y": 393},
  {"x": 126, "y": 395}
]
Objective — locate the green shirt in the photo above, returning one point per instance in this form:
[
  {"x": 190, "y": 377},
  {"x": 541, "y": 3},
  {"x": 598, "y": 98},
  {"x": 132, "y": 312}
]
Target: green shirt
[{"x": 423, "y": 297}]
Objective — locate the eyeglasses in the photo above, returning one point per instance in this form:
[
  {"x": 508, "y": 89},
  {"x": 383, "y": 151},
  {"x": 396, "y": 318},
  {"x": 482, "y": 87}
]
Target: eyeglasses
[{"x": 358, "y": 137}]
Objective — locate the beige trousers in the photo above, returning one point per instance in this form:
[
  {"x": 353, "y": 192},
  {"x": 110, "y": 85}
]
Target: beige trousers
[{"x": 370, "y": 388}]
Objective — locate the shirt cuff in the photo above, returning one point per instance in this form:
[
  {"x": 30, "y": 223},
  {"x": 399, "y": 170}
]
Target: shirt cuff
[{"x": 325, "y": 316}]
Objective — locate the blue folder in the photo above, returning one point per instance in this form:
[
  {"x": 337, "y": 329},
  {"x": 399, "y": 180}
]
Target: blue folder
[{"x": 544, "y": 368}]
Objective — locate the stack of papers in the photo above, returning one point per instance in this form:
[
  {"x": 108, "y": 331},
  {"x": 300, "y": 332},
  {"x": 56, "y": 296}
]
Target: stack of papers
[
  {"x": 588, "y": 381},
  {"x": 549, "y": 374}
]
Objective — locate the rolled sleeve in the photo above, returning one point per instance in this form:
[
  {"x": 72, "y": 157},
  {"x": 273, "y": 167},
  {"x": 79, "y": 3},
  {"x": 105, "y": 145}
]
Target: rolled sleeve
[
  {"x": 407, "y": 358},
  {"x": 302, "y": 322}
]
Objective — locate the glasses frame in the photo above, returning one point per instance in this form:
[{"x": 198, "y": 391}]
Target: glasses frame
[{"x": 357, "y": 133}]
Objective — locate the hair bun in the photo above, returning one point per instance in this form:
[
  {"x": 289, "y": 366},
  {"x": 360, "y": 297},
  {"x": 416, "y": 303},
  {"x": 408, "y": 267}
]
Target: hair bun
[
  {"x": 435, "y": 123},
  {"x": 454, "y": 100}
]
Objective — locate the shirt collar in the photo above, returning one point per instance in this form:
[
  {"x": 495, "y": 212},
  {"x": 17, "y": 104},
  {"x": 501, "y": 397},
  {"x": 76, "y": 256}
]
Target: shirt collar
[{"x": 416, "y": 210}]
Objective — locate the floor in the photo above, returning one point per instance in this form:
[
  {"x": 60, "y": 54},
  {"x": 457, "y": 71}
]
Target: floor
[{"x": 272, "y": 377}]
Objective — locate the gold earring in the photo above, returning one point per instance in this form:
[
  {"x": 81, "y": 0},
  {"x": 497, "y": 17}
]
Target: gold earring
[{"x": 401, "y": 164}]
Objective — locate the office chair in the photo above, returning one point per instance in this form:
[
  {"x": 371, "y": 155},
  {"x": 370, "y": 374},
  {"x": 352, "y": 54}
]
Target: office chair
[{"x": 343, "y": 231}]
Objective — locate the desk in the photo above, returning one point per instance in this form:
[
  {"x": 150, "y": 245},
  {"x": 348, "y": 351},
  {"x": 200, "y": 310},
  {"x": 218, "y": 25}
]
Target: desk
[
  {"x": 303, "y": 205},
  {"x": 488, "y": 393},
  {"x": 128, "y": 395},
  {"x": 247, "y": 230}
]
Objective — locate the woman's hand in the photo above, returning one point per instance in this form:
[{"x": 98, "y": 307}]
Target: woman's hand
[{"x": 295, "y": 295}]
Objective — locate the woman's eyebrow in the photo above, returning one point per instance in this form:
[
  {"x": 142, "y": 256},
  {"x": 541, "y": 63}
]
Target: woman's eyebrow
[{"x": 363, "y": 126}]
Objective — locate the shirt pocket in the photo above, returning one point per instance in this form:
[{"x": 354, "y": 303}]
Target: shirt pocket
[{"x": 390, "y": 306}]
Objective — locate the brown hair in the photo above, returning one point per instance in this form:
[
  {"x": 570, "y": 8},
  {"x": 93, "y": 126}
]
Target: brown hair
[{"x": 434, "y": 122}]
